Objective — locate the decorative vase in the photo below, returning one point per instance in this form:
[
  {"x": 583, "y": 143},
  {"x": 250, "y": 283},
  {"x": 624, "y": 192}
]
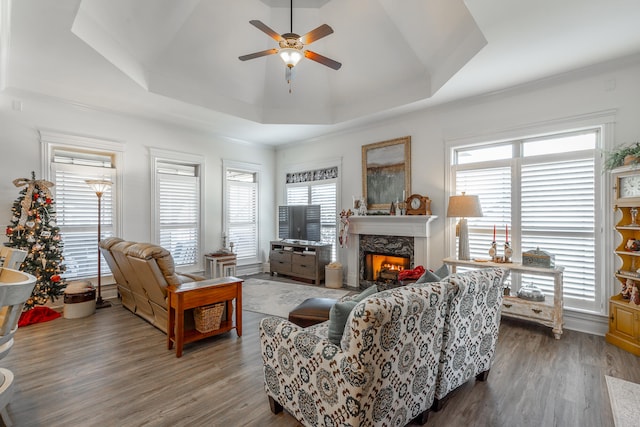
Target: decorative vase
[{"x": 630, "y": 159}]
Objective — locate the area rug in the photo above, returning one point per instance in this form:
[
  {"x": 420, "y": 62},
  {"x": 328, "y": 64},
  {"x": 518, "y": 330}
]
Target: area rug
[
  {"x": 625, "y": 401},
  {"x": 279, "y": 298}
]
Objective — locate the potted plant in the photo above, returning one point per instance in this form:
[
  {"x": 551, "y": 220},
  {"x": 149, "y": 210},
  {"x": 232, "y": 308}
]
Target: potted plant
[{"x": 624, "y": 155}]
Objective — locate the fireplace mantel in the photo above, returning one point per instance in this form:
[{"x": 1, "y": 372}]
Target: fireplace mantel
[
  {"x": 388, "y": 225},
  {"x": 416, "y": 226}
]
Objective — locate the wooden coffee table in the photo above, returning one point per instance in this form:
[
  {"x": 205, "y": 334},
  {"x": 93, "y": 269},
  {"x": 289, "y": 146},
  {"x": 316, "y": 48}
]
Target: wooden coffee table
[{"x": 198, "y": 294}]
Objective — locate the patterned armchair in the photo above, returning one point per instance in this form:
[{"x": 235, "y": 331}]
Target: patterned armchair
[
  {"x": 471, "y": 329},
  {"x": 383, "y": 373}
]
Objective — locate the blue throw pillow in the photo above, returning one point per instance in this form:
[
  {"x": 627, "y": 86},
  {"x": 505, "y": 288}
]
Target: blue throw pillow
[
  {"x": 338, "y": 316},
  {"x": 428, "y": 277},
  {"x": 340, "y": 311},
  {"x": 442, "y": 272},
  {"x": 434, "y": 276}
]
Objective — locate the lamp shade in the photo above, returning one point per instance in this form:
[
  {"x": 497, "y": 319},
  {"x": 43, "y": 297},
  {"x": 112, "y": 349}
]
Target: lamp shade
[
  {"x": 99, "y": 185},
  {"x": 290, "y": 56},
  {"x": 464, "y": 206}
]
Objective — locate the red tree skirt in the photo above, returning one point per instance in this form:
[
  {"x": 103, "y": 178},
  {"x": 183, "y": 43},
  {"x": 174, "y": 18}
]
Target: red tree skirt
[{"x": 37, "y": 315}]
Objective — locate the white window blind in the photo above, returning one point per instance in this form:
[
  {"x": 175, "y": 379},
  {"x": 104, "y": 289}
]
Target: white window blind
[
  {"x": 558, "y": 215},
  {"x": 545, "y": 190},
  {"x": 178, "y": 210},
  {"x": 325, "y": 196},
  {"x": 493, "y": 186},
  {"x": 242, "y": 213},
  {"x": 298, "y": 195},
  {"x": 77, "y": 209}
]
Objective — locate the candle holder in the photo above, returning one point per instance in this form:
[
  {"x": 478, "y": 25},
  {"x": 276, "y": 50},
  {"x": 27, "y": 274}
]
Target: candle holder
[
  {"x": 493, "y": 252},
  {"x": 508, "y": 252}
]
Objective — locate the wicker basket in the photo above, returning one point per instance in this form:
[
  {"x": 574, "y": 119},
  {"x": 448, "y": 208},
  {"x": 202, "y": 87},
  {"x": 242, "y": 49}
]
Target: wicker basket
[{"x": 208, "y": 318}]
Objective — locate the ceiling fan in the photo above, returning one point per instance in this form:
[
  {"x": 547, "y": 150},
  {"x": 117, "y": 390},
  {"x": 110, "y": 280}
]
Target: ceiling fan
[{"x": 292, "y": 45}]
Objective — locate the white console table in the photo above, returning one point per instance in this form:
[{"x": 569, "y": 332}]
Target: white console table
[{"x": 543, "y": 312}]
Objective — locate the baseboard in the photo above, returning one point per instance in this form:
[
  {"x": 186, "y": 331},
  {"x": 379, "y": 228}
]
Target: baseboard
[
  {"x": 247, "y": 270},
  {"x": 586, "y": 322}
]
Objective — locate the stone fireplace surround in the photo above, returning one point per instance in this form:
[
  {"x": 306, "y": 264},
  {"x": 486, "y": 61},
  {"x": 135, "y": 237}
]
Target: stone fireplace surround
[{"x": 416, "y": 226}]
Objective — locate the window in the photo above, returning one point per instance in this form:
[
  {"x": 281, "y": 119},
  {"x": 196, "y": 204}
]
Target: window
[
  {"x": 177, "y": 206},
  {"x": 241, "y": 211},
  {"x": 319, "y": 187},
  {"x": 70, "y": 160},
  {"x": 545, "y": 190}
]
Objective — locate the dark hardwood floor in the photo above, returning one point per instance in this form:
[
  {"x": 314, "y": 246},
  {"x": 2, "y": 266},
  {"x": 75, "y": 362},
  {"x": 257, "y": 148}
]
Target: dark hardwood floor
[{"x": 114, "y": 369}]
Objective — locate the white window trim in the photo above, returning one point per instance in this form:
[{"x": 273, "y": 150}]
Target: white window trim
[
  {"x": 258, "y": 169},
  {"x": 157, "y": 155},
  {"x": 52, "y": 140},
  {"x": 604, "y": 216},
  {"x": 313, "y": 165},
  {"x": 306, "y": 166}
]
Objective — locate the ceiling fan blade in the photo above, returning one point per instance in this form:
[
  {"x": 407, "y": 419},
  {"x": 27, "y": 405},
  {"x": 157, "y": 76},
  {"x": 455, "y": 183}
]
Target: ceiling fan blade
[
  {"x": 258, "y": 54},
  {"x": 265, "y": 29},
  {"x": 313, "y": 35},
  {"x": 322, "y": 59}
]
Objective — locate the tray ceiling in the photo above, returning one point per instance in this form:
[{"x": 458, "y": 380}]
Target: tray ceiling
[{"x": 178, "y": 61}]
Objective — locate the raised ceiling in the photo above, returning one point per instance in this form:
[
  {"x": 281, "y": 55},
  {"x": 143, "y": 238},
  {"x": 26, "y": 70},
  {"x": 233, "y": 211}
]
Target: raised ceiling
[
  {"x": 188, "y": 50},
  {"x": 178, "y": 60}
]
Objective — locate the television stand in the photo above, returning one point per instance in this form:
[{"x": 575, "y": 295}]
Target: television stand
[{"x": 299, "y": 259}]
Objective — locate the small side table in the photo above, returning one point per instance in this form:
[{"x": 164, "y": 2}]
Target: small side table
[
  {"x": 214, "y": 264},
  {"x": 198, "y": 294}
]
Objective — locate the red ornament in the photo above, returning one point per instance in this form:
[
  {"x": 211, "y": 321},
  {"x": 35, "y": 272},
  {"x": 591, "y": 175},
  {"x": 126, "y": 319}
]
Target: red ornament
[
  {"x": 48, "y": 200},
  {"x": 55, "y": 278},
  {"x": 9, "y": 231},
  {"x": 35, "y": 196}
]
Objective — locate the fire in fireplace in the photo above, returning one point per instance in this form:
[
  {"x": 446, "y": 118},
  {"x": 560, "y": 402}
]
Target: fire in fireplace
[{"x": 383, "y": 268}]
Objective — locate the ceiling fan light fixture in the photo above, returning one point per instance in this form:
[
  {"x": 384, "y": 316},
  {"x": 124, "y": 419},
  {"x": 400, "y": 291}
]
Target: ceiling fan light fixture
[{"x": 290, "y": 56}]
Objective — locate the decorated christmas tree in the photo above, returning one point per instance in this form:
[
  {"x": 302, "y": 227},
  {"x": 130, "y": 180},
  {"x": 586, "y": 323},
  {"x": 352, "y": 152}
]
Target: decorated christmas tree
[{"x": 33, "y": 228}]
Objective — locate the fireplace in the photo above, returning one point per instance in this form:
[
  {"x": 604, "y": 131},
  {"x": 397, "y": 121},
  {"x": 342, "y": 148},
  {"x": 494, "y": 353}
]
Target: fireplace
[
  {"x": 382, "y": 258},
  {"x": 384, "y": 268},
  {"x": 406, "y": 237}
]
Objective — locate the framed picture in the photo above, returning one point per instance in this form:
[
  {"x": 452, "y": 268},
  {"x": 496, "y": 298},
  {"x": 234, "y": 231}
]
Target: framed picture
[{"x": 386, "y": 172}]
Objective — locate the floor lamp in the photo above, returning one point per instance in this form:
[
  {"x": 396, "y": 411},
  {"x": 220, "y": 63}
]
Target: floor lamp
[
  {"x": 463, "y": 207},
  {"x": 100, "y": 187}
]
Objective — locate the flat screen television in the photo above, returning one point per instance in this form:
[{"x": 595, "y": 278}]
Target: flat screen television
[{"x": 299, "y": 222}]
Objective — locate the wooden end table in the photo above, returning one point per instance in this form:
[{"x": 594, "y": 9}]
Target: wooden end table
[{"x": 197, "y": 294}]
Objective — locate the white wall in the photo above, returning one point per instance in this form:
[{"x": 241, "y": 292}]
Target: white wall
[
  {"x": 614, "y": 85},
  {"x": 20, "y": 144},
  {"x": 517, "y": 111}
]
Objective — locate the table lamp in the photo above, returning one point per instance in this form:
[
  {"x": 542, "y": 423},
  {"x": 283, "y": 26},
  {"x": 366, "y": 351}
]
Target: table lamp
[{"x": 463, "y": 207}]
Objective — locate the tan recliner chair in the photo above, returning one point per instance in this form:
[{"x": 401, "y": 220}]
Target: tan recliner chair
[
  {"x": 146, "y": 270},
  {"x": 124, "y": 288}
]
